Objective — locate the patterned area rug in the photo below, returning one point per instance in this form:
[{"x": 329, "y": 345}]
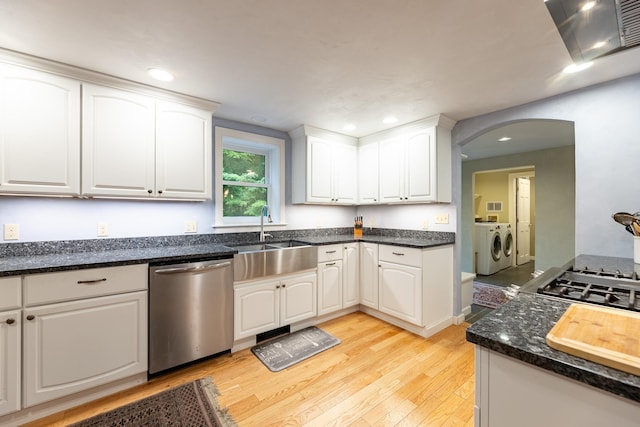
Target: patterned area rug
[
  {"x": 189, "y": 405},
  {"x": 486, "y": 295},
  {"x": 283, "y": 352}
]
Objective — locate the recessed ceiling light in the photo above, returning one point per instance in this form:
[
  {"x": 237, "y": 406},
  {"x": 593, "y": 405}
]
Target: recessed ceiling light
[
  {"x": 574, "y": 68},
  {"x": 504, "y": 139},
  {"x": 159, "y": 74},
  {"x": 259, "y": 118},
  {"x": 389, "y": 119},
  {"x": 588, "y": 6},
  {"x": 349, "y": 127}
]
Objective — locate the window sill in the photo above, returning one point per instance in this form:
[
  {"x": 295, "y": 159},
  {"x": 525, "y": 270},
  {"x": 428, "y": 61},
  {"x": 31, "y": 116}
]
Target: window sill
[{"x": 245, "y": 227}]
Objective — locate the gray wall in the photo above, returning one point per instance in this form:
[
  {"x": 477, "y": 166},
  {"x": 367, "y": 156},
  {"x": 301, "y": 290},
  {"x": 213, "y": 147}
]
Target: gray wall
[
  {"x": 607, "y": 152},
  {"x": 555, "y": 207}
]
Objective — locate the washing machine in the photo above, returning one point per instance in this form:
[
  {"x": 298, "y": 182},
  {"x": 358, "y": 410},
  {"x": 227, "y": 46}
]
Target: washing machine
[
  {"x": 507, "y": 244},
  {"x": 488, "y": 240}
]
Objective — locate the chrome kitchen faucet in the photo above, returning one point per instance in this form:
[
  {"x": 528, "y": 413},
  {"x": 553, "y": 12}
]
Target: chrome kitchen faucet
[{"x": 264, "y": 212}]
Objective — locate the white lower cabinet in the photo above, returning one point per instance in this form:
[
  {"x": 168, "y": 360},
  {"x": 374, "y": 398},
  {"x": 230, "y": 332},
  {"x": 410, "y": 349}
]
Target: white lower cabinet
[
  {"x": 350, "y": 274},
  {"x": 401, "y": 292},
  {"x": 73, "y": 346},
  {"x": 369, "y": 274},
  {"x": 82, "y": 329},
  {"x": 338, "y": 277},
  {"x": 10, "y": 351},
  {"x": 262, "y": 305},
  {"x": 329, "y": 286}
]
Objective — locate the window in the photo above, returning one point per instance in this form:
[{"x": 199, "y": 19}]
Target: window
[{"x": 249, "y": 175}]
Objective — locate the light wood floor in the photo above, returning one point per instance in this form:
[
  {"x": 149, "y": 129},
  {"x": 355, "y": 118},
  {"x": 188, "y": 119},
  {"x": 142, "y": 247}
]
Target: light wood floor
[{"x": 378, "y": 375}]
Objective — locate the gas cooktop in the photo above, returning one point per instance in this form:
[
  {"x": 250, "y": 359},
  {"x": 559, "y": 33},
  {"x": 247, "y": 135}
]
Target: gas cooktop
[{"x": 597, "y": 286}]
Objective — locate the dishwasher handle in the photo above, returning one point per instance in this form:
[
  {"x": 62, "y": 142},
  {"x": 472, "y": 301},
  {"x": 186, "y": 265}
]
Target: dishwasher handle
[{"x": 178, "y": 270}]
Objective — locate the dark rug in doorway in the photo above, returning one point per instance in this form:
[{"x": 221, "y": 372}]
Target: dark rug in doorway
[
  {"x": 487, "y": 295},
  {"x": 192, "y": 404},
  {"x": 282, "y": 352}
]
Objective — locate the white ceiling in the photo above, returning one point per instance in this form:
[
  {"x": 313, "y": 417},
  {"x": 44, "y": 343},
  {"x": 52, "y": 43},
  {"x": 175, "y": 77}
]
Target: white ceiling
[{"x": 282, "y": 63}]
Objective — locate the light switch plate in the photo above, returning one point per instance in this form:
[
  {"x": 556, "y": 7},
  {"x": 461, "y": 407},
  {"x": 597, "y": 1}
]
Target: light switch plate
[
  {"x": 11, "y": 232},
  {"x": 442, "y": 219},
  {"x": 103, "y": 229},
  {"x": 190, "y": 227}
]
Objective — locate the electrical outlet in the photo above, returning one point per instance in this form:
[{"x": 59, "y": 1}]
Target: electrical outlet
[
  {"x": 442, "y": 219},
  {"x": 190, "y": 227},
  {"x": 11, "y": 232},
  {"x": 103, "y": 229}
]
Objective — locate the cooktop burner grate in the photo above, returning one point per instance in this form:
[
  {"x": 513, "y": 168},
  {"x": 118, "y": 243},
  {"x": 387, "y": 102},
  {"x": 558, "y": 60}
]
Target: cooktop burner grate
[{"x": 613, "y": 289}]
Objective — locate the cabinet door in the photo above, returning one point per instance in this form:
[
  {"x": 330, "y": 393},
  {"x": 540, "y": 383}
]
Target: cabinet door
[
  {"x": 319, "y": 171},
  {"x": 401, "y": 292},
  {"x": 118, "y": 138},
  {"x": 368, "y": 185},
  {"x": 256, "y": 308},
  {"x": 298, "y": 298},
  {"x": 74, "y": 346},
  {"x": 10, "y": 350},
  {"x": 369, "y": 274},
  {"x": 329, "y": 287},
  {"x": 183, "y": 152},
  {"x": 350, "y": 275},
  {"x": 344, "y": 174},
  {"x": 421, "y": 168},
  {"x": 392, "y": 170},
  {"x": 39, "y": 132}
]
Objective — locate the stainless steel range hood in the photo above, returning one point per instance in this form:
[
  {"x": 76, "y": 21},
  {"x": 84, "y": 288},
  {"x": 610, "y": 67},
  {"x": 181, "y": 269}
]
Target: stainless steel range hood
[{"x": 591, "y": 29}]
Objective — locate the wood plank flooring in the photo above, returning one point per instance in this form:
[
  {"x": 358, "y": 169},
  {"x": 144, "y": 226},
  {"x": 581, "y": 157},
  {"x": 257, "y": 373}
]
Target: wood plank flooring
[{"x": 380, "y": 375}]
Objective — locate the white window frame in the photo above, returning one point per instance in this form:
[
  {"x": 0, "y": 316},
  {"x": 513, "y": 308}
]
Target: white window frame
[{"x": 273, "y": 149}]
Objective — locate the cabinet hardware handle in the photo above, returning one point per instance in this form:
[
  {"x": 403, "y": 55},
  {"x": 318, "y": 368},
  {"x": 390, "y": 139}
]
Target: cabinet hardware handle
[
  {"x": 149, "y": 191},
  {"x": 91, "y": 282},
  {"x": 277, "y": 286},
  {"x": 330, "y": 252},
  {"x": 159, "y": 191},
  {"x": 284, "y": 285},
  {"x": 31, "y": 317},
  {"x": 397, "y": 253},
  {"x": 193, "y": 269},
  {"x": 11, "y": 321},
  {"x": 330, "y": 263}
]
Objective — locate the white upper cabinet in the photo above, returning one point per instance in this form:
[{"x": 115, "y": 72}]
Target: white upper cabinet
[
  {"x": 183, "y": 151},
  {"x": 368, "y": 186},
  {"x": 118, "y": 138},
  {"x": 136, "y": 146},
  {"x": 414, "y": 162},
  {"x": 39, "y": 132},
  {"x": 324, "y": 167}
]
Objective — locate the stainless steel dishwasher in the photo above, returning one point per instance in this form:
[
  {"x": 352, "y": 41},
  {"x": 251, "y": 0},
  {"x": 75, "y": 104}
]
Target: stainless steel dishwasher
[{"x": 190, "y": 312}]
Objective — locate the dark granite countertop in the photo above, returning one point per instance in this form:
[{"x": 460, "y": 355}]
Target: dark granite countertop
[
  {"x": 43, "y": 257},
  {"x": 519, "y": 328},
  {"x": 408, "y": 242}
]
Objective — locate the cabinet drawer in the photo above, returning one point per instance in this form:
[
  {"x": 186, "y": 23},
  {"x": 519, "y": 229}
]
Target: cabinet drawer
[
  {"x": 401, "y": 255},
  {"x": 329, "y": 252},
  {"x": 10, "y": 295},
  {"x": 77, "y": 284}
]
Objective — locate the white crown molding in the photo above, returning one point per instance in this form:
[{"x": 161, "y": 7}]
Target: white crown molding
[{"x": 90, "y": 76}]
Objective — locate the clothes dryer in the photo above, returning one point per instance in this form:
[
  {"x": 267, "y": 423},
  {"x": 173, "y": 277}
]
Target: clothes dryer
[
  {"x": 488, "y": 245},
  {"x": 507, "y": 245}
]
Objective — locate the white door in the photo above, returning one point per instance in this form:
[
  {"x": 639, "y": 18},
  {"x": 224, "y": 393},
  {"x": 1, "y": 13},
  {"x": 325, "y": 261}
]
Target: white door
[
  {"x": 256, "y": 308},
  {"x": 420, "y": 173},
  {"x": 183, "y": 151},
  {"x": 74, "y": 346},
  {"x": 39, "y": 132},
  {"x": 401, "y": 292},
  {"x": 10, "y": 350},
  {"x": 298, "y": 298},
  {"x": 329, "y": 287},
  {"x": 344, "y": 174},
  {"x": 369, "y": 274},
  {"x": 319, "y": 173},
  {"x": 523, "y": 223},
  {"x": 392, "y": 169},
  {"x": 368, "y": 174},
  {"x": 350, "y": 275},
  {"x": 118, "y": 143}
]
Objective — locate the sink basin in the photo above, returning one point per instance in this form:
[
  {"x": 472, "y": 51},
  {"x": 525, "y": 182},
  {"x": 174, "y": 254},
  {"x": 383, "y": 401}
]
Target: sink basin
[
  {"x": 263, "y": 260},
  {"x": 252, "y": 248}
]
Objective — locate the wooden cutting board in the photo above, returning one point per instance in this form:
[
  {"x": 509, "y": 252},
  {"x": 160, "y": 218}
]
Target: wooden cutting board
[{"x": 608, "y": 336}]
